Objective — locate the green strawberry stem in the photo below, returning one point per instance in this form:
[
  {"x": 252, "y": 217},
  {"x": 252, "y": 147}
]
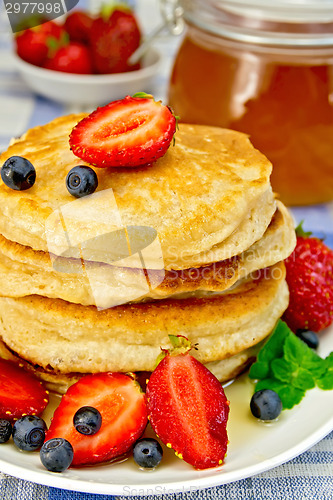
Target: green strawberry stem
[
  {"x": 55, "y": 44},
  {"x": 109, "y": 7},
  {"x": 180, "y": 345},
  {"x": 300, "y": 231}
]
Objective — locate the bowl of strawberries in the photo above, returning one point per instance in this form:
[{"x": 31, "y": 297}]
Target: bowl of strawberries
[{"x": 85, "y": 59}]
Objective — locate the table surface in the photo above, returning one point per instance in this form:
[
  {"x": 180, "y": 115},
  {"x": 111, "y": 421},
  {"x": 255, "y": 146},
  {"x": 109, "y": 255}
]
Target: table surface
[{"x": 308, "y": 476}]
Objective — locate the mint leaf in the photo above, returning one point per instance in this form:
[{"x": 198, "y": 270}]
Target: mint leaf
[
  {"x": 326, "y": 381},
  {"x": 294, "y": 349},
  {"x": 293, "y": 374},
  {"x": 303, "y": 380},
  {"x": 289, "y": 395},
  {"x": 282, "y": 369},
  {"x": 273, "y": 348},
  {"x": 259, "y": 370},
  {"x": 289, "y": 367},
  {"x": 271, "y": 383}
]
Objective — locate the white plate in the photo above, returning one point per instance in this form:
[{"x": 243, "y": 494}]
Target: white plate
[{"x": 254, "y": 447}]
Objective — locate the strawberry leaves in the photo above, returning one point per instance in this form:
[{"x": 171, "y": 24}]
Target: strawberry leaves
[{"x": 288, "y": 366}]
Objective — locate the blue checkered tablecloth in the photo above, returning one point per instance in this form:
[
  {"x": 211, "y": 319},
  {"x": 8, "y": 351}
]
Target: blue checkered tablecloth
[{"x": 308, "y": 476}]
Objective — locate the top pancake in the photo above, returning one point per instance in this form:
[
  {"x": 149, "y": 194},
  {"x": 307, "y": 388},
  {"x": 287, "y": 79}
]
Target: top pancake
[{"x": 209, "y": 198}]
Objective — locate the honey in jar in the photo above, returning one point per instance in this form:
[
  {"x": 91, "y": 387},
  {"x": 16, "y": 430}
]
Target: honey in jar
[{"x": 268, "y": 73}]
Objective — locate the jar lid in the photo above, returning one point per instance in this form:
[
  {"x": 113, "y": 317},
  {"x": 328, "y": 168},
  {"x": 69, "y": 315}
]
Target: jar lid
[
  {"x": 296, "y": 11},
  {"x": 307, "y": 23}
]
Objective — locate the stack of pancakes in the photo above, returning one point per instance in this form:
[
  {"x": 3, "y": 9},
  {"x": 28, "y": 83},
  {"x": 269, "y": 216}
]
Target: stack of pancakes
[{"x": 191, "y": 245}]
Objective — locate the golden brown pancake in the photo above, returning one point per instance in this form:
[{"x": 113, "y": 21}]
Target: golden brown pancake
[
  {"x": 24, "y": 271},
  {"x": 197, "y": 235},
  {"x": 208, "y": 198},
  {"x": 225, "y": 370},
  {"x": 66, "y": 337}
]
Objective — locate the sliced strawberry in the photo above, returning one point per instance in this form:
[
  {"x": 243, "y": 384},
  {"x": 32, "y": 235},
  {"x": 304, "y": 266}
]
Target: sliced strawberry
[
  {"x": 125, "y": 133},
  {"x": 122, "y": 406},
  {"x": 20, "y": 392},
  {"x": 188, "y": 410}
]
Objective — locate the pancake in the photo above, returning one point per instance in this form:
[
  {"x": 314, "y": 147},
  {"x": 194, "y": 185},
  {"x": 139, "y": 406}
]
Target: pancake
[
  {"x": 24, "y": 271},
  {"x": 225, "y": 370},
  {"x": 65, "y": 337},
  {"x": 207, "y": 199}
]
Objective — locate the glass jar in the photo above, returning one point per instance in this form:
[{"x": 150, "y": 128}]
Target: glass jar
[{"x": 265, "y": 69}]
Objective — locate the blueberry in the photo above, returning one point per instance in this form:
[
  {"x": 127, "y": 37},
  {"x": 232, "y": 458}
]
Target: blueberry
[
  {"x": 29, "y": 433},
  {"x": 56, "y": 454},
  {"x": 81, "y": 181},
  {"x": 5, "y": 430},
  {"x": 266, "y": 404},
  {"x": 87, "y": 420},
  {"x": 309, "y": 337},
  {"x": 18, "y": 173},
  {"x": 147, "y": 453}
]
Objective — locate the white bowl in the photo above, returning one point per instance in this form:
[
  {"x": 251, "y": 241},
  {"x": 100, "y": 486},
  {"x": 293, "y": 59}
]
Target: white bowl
[{"x": 85, "y": 90}]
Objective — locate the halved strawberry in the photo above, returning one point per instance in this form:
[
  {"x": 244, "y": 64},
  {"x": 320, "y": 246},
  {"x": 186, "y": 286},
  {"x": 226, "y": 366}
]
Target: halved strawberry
[
  {"x": 125, "y": 133},
  {"x": 20, "y": 392},
  {"x": 188, "y": 410},
  {"x": 122, "y": 406}
]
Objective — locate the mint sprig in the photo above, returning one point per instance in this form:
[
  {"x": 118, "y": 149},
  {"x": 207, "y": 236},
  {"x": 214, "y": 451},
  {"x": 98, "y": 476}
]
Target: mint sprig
[{"x": 289, "y": 367}]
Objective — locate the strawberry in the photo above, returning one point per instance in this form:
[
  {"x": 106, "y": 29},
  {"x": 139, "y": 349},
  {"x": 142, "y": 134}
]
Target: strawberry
[
  {"x": 122, "y": 406},
  {"x": 310, "y": 281},
  {"x": 78, "y": 25},
  {"x": 188, "y": 410},
  {"x": 113, "y": 38},
  {"x": 73, "y": 58},
  {"x": 33, "y": 45},
  {"x": 125, "y": 133},
  {"x": 21, "y": 393}
]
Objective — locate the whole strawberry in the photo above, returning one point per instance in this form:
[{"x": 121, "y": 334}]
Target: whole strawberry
[
  {"x": 113, "y": 38},
  {"x": 310, "y": 281},
  {"x": 73, "y": 58},
  {"x": 78, "y": 25},
  {"x": 34, "y": 45}
]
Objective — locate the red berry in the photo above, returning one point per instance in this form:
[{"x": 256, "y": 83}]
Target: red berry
[
  {"x": 113, "y": 40},
  {"x": 52, "y": 29},
  {"x": 21, "y": 393},
  {"x": 78, "y": 25},
  {"x": 33, "y": 45},
  {"x": 126, "y": 133},
  {"x": 310, "y": 281},
  {"x": 188, "y": 410},
  {"x": 73, "y": 58},
  {"x": 119, "y": 400}
]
